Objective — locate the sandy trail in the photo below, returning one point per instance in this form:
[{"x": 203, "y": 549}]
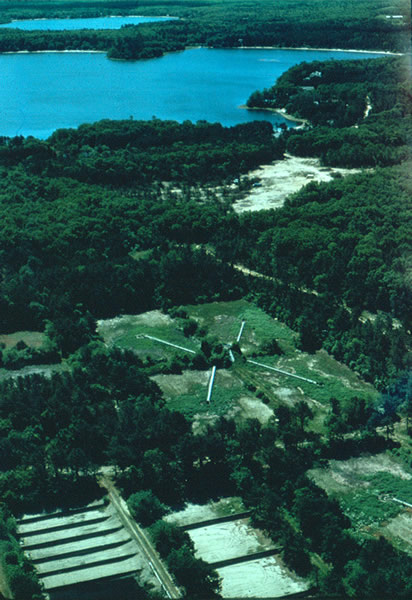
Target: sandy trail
[{"x": 282, "y": 178}]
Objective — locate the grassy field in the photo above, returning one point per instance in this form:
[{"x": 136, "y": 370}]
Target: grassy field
[
  {"x": 127, "y": 332},
  {"x": 243, "y": 390},
  {"x": 224, "y": 319},
  {"x": 365, "y": 488}
]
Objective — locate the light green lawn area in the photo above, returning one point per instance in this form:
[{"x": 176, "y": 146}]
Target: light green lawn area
[{"x": 194, "y": 404}]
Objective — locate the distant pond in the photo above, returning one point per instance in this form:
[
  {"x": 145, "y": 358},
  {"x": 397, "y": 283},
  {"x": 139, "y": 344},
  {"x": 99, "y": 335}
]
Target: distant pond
[
  {"x": 42, "y": 92},
  {"x": 85, "y": 23}
]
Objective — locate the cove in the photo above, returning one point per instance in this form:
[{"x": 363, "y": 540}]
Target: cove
[
  {"x": 42, "y": 92},
  {"x": 84, "y": 23}
]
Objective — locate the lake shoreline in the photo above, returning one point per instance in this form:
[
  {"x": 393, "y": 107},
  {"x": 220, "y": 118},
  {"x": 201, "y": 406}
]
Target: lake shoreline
[
  {"x": 382, "y": 52},
  {"x": 379, "y": 52},
  {"x": 117, "y": 93},
  {"x": 105, "y": 17},
  {"x": 280, "y": 111}
]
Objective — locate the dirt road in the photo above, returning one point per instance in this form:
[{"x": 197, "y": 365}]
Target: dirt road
[{"x": 159, "y": 571}]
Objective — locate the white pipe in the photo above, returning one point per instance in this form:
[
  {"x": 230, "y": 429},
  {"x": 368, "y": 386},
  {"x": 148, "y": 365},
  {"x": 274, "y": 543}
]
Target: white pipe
[
  {"x": 150, "y": 337},
  {"x": 211, "y": 381},
  {"x": 241, "y": 331},
  {"x": 282, "y": 372}
]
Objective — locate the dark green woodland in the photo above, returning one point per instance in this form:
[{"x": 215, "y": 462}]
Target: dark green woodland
[{"x": 122, "y": 217}]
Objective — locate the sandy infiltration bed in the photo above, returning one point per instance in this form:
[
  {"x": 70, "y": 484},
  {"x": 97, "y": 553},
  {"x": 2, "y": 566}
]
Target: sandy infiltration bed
[
  {"x": 264, "y": 577},
  {"x": 282, "y": 178}
]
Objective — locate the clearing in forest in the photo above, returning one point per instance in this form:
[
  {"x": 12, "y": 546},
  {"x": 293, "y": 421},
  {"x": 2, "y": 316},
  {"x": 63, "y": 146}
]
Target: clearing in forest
[
  {"x": 238, "y": 543},
  {"x": 33, "y": 339},
  {"x": 241, "y": 389},
  {"x": 365, "y": 488},
  {"x": 282, "y": 178}
]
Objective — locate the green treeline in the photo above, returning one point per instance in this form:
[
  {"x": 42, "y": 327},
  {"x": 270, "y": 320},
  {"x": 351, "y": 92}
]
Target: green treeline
[
  {"x": 288, "y": 23},
  {"x": 15, "y": 569},
  {"x": 347, "y": 240},
  {"x": 359, "y": 112},
  {"x": 125, "y": 217},
  {"x": 40, "y": 9},
  {"x": 131, "y": 152}
]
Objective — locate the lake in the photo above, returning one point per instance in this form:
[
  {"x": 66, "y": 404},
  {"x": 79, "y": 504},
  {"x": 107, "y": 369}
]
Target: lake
[
  {"x": 41, "y": 92},
  {"x": 84, "y": 23}
]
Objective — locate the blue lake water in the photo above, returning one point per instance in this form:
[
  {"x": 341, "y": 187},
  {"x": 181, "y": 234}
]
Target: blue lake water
[
  {"x": 85, "y": 23},
  {"x": 41, "y": 92}
]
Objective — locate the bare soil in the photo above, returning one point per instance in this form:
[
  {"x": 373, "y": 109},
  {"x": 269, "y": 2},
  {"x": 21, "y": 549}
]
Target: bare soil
[
  {"x": 252, "y": 408},
  {"x": 195, "y": 513},
  {"x": 112, "y": 329},
  {"x": 186, "y": 383},
  {"x": 265, "y": 577},
  {"x": 282, "y": 178},
  {"x": 34, "y": 339},
  {"x": 400, "y": 527},
  {"x": 345, "y": 475}
]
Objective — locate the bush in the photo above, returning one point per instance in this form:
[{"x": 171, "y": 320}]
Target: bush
[
  {"x": 168, "y": 537},
  {"x": 145, "y": 507}
]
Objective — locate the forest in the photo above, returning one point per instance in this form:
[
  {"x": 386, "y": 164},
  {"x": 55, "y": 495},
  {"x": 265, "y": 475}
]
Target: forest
[
  {"x": 46, "y": 457},
  {"x": 287, "y": 23},
  {"x": 116, "y": 207},
  {"x": 122, "y": 217},
  {"x": 335, "y": 96}
]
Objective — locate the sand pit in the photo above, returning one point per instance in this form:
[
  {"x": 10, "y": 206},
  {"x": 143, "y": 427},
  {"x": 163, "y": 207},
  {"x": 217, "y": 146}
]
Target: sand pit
[
  {"x": 223, "y": 541},
  {"x": 281, "y": 179},
  {"x": 255, "y": 577},
  {"x": 263, "y": 578}
]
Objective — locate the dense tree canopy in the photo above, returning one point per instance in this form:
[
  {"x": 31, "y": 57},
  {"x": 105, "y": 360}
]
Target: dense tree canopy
[
  {"x": 110, "y": 219},
  {"x": 287, "y": 23},
  {"x": 359, "y": 112}
]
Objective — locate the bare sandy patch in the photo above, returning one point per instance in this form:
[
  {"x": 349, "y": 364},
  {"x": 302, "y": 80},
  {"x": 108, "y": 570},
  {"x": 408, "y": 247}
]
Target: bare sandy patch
[
  {"x": 400, "y": 528},
  {"x": 224, "y": 541},
  {"x": 370, "y": 465},
  {"x": 282, "y": 178},
  {"x": 196, "y": 513},
  {"x": 113, "y": 329},
  {"x": 263, "y": 578},
  {"x": 344, "y": 476},
  {"x": 34, "y": 339},
  {"x": 175, "y": 385},
  {"x": 252, "y": 408},
  {"x": 152, "y": 317}
]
